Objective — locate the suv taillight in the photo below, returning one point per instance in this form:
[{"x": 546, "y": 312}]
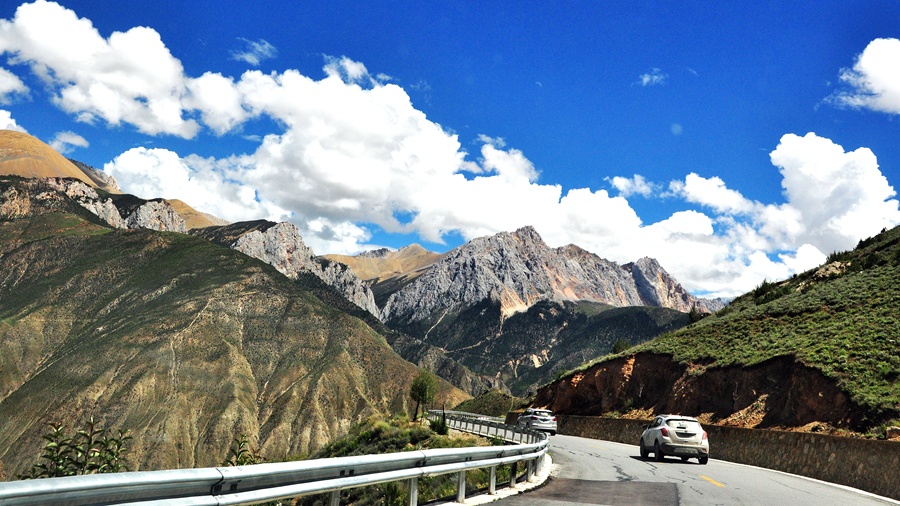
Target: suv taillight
[
  {"x": 665, "y": 431},
  {"x": 705, "y": 436}
]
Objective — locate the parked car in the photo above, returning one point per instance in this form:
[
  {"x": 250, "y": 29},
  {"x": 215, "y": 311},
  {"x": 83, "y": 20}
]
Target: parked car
[
  {"x": 675, "y": 435},
  {"x": 538, "y": 419}
]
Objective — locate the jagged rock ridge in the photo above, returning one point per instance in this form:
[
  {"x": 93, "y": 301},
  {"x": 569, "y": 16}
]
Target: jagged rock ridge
[
  {"x": 518, "y": 269},
  {"x": 387, "y": 271},
  {"x": 280, "y": 245}
]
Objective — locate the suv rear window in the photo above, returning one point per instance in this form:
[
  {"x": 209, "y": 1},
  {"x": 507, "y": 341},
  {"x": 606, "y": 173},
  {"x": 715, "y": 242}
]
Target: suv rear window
[{"x": 682, "y": 422}]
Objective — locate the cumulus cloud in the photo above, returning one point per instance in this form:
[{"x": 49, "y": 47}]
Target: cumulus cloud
[
  {"x": 841, "y": 196},
  {"x": 65, "y": 142},
  {"x": 711, "y": 192},
  {"x": 874, "y": 79},
  {"x": 218, "y": 101},
  {"x": 833, "y": 198},
  {"x": 652, "y": 78},
  {"x": 254, "y": 51},
  {"x": 636, "y": 185},
  {"x": 510, "y": 164},
  {"x": 8, "y": 123},
  {"x": 10, "y": 85},
  {"x": 130, "y": 77}
]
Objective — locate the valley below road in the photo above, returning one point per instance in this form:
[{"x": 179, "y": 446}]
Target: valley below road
[{"x": 590, "y": 471}]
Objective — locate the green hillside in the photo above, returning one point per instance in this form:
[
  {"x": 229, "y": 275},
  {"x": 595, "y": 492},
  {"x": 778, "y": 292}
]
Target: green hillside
[{"x": 841, "y": 319}]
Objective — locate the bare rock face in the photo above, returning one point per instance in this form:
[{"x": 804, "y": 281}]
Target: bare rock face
[
  {"x": 157, "y": 215},
  {"x": 100, "y": 178},
  {"x": 14, "y": 204},
  {"x": 658, "y": 288},
  {"x": 281, "y": 246},
  {"x": 518, "y": 269},
  {"x": 89, "y": 199}
]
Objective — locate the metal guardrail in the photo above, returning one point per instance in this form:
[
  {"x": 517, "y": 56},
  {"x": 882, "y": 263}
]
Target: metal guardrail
[{"x": 274, "y": 481}]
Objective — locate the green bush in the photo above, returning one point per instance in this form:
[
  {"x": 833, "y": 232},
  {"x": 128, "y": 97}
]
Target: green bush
[
  {"x": 241, "y": 453},
  {"x": 440, "y": 427},
  {"x": 88, "y": 451}
]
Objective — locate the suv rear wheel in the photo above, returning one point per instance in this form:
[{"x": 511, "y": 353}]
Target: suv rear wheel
[
  {"x": 643, "y": 449},
  {"x": 703, "y": 460},
  {"x": 657, "y": 452}
]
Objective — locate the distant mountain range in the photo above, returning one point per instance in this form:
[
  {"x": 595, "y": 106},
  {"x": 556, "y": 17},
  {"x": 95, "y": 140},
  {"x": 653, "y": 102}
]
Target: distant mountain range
[{"x": 518, "y": 312}]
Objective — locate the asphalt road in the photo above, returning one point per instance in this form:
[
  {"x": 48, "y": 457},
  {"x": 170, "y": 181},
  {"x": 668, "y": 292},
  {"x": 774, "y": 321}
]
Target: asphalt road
[{"x": 600, "y": 472}]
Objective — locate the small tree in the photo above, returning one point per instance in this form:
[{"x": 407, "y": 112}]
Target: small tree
[
  {"x": 88, "y": 451},
  {"x": 241, "y": 453},
  {"x": 422, "y": 390},
  {"x": 620, "y": 345}
]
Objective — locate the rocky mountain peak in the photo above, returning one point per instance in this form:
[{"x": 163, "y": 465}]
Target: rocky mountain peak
[
  {"x": 530, "y": 236},
  {"x": 518, "y": 269}
]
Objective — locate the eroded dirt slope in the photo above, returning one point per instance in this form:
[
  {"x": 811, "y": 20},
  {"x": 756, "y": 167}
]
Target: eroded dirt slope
[{"x": 776, "y": 393}]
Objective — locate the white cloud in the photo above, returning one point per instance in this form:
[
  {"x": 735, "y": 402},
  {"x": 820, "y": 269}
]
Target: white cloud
[
  {"x": 874, "y": 78},
  {"x": 351, "y": 71},
  {"x": 636, "y": 185},
  {"x": 711, "y": 192},
  {"x": 207, "y": 184},
  {"x": 10, "y": 84},
  {"x": 64, "y": 142},
  {"x": 510, "y": 164},
  {"x": 841, "y": 196},
  {"x": 8, "y": 123},
  {"x": 130, "y": 77},
  {"x": 219, "y": 101},
  {"x": 254, "y": 52},
  {"x": 652, "y": 78}
]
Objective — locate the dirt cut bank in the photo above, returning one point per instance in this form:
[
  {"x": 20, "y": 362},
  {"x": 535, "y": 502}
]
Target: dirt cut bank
[{"x": 779, "y": 392}]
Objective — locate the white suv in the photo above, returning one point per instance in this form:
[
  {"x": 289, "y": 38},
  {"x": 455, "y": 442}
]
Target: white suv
[
  {"x": 538, "y": 419},
  {"x": 679, "y": 436}
]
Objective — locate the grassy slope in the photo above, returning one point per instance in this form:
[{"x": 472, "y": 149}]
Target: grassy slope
[{"x": 841, "y": 319}]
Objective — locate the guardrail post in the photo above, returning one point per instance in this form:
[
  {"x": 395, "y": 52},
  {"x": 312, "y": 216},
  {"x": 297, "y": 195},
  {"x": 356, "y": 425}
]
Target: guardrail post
[
  {"x": 335, "y": 499},
  {"x": 512, "y": 475},
  {"x": 529, "y": 471},
  {"x": 413, "y": 492},
  {"x": 492, "y": 485},
  {"x": 461, "y": 486}
]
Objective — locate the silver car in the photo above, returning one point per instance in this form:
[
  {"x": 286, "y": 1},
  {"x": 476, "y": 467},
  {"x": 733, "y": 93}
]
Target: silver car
[
  {"x": 675, "y": 435},
  {"x": 538, "y": 419}
]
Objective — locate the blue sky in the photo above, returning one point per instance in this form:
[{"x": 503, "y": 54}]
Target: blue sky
[{"x": 732, "y": 143}]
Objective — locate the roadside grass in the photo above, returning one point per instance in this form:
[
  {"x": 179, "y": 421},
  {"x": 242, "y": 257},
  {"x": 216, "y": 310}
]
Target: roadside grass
[{"x": 397, "y": 434}]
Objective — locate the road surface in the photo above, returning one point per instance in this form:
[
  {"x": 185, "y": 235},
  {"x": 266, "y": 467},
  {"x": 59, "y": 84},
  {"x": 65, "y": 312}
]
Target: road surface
[{"x": 600, "y": 472}]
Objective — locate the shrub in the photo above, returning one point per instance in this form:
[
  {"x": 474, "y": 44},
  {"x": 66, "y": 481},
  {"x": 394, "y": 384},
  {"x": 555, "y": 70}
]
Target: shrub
[
  {"x": 88, "y": 451},
  {"x": 241, "y": 453},
  {"x": 440, "y": 427}
]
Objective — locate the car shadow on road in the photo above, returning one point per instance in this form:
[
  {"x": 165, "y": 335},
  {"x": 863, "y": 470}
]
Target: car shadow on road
[{"x": 667, "y": 460}]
